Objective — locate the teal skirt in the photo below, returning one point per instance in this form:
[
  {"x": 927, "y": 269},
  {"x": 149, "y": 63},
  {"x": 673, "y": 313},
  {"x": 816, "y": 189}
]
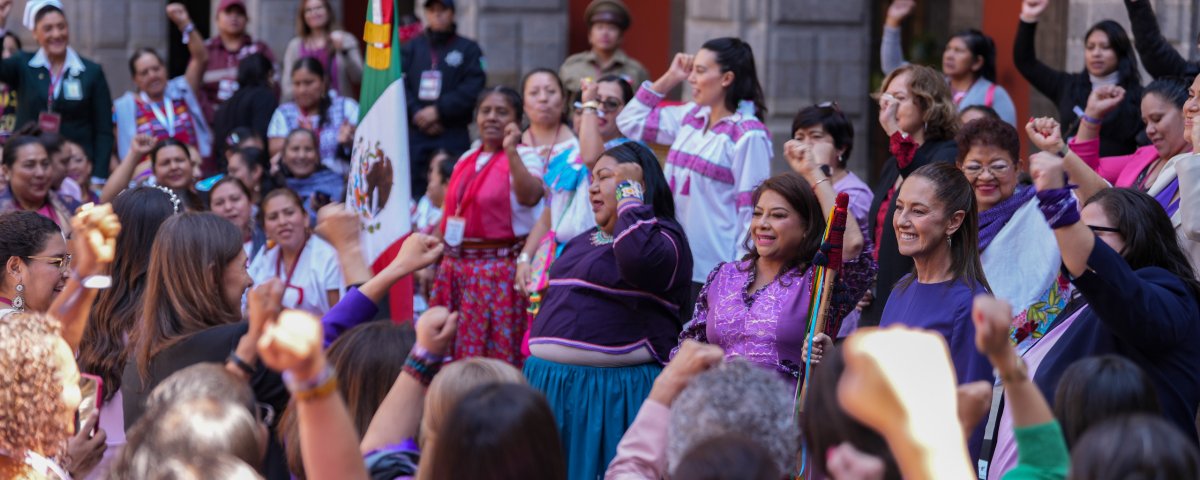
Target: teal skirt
[{"x": 593, "y": 406}]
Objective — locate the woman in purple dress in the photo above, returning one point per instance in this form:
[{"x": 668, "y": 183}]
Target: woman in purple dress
[
  {"x": 937, "y": 225},
  {"x": 757, "y": 307}
]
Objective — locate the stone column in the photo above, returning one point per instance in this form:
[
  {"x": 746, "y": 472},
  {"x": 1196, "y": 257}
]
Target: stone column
[{"x": 806, "y": 51}]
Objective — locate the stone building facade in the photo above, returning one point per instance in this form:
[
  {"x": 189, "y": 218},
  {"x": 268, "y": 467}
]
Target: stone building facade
[{"x": 807, "y": 51}]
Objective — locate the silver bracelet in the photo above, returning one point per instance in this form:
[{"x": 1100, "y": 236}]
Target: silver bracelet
[
  {"x": 819, "y": 182},
  {"x": 523, "y": 258}
]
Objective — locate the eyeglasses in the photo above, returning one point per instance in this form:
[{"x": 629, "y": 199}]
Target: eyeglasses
[
  {"x": 62, "y": 262},
  {"x": 977, "y": 170},
  {"x": 1096, "y": 228},
  {"x": 265, "y": 413}
]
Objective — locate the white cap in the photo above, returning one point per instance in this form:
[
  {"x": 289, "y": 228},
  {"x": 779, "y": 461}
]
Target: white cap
[{"x": 34, "y": 6}]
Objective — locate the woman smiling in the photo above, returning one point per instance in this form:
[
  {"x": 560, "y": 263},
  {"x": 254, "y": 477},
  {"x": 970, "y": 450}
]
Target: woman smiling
[{"x": 757, "y": 307}]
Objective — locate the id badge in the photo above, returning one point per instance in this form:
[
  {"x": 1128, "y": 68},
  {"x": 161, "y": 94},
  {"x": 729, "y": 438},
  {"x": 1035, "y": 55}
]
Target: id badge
[
  {"x": 430, "y": 86},
  {"x": 72, "y": 89},
  {"x": 49, "y": 121},
  {"x": 455, "y": 228}
]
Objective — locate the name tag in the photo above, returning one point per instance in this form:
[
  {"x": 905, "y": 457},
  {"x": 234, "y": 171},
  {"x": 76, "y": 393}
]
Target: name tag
[
  {"x": 455, "y": 228},
  {"x": 431, "y": 85},
  {"x": 49, "y": 122},
  {"x": 72, "y": 89}
]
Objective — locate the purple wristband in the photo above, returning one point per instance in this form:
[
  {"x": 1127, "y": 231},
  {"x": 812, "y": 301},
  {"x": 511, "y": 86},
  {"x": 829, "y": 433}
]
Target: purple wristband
[{"x": 1059, "y": 206}]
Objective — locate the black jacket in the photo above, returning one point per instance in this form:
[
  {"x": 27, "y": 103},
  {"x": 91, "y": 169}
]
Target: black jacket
[
  {"x": 893, "y": 265},
  {"x": 1158, "y": 56},
  {"x": 461, "y": 62},
  {"x": 248, "y": 107},
  {"x": 1119, "y": 130}
]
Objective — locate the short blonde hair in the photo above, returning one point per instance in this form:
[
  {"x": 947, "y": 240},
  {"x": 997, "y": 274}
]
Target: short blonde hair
[{"x": 931, "y": 94}]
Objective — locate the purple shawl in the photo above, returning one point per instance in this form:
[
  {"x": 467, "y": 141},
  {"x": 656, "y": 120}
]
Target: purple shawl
[{"x": 992, "y": 220}]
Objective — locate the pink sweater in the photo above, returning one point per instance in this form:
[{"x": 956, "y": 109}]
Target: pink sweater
[
  {"x": 642, "y": 453},
  {"x": 1121, "y": 171}
]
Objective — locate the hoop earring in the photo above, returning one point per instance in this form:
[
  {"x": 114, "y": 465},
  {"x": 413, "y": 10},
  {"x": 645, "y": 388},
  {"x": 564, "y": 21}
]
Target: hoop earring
[{"x": 18, "y": 303}]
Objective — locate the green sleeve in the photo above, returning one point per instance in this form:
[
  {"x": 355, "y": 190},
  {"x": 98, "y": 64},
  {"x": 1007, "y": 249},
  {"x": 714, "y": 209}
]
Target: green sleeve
[{"x": 1041, "y": 453}]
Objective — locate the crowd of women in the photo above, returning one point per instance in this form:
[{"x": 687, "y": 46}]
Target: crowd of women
[{"x": 586, "y": 308}]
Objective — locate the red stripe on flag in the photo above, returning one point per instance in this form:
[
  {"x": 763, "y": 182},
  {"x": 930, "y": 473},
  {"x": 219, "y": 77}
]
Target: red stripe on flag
[{"x": 400, "y": 296}]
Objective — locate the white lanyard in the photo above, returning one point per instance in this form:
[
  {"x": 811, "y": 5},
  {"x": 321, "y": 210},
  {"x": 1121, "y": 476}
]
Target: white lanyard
[{"x": 169, "y": 121}]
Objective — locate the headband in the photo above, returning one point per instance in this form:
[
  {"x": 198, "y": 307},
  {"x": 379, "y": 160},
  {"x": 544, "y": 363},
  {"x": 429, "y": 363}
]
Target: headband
[
  {"x": 33, "y": 7},
  {"x": 175, "y": 202}
]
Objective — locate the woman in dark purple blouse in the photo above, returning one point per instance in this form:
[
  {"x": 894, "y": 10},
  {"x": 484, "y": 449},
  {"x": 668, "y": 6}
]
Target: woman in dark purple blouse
[
  {"x": 611, "y": 311},
  {"x": 937, "y": 224}
]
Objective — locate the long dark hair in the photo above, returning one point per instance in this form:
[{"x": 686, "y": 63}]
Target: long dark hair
[
  {"x": 735, "y": 55},
  {"x": 183, "y": 283},
  {"x": 506, "y": 430},
  {"x": 832, "y": 426},
  {"x": 954, "y": 191},
  {"x": 800, "y": 196},
  {"x": 254, "y": 71},
  {"x": 313, "y": 66},
  {"x": 1150, "y": 239},
  {"x": 1098, "y": 388},
  {"x": 255, "y": 157},
  {"x": 658, "y": 193},
  {"x": 1134, "y": 446},
  {"x": 103, "y": 351},
  {"x": 980, "y": 46},
  {"x": 1172, "y": 89},
  {"x": 1129, "y": 76},
  {"x": 367, "y": 359}
]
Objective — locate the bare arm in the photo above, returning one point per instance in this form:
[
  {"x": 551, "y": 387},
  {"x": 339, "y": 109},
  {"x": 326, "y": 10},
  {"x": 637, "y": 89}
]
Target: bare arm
[
  {"x": 527, "y": 187},
  {"x": 119, "y": 179},
  {"x": 198, "y": 62}
]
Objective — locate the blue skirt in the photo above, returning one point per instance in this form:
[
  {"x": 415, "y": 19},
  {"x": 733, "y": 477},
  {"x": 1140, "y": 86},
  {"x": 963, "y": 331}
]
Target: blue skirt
[{"x": 593, "y": 406}]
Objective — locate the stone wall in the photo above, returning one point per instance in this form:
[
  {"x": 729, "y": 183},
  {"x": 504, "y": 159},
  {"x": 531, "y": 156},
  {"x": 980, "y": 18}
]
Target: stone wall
[
  {"x": 516, "y": 35},
  {"x": 1177, "y": 18},
  {"x": 806, "y": 51}
]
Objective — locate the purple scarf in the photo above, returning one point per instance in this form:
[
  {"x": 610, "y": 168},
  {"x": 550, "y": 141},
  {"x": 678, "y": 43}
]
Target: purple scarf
[
  {"x": 1167, "y": 199},
  {"x": 992, "y": 220}
]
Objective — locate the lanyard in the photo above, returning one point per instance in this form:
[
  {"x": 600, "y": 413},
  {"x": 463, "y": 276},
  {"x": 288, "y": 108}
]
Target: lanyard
[
  {"x": 167, "y": 120},
  {"x": 55, "y": 84},
  {"x": 433, "y": 54},
  {"x": 473, "y": 183},
  {"x": 279, "y": 263}
]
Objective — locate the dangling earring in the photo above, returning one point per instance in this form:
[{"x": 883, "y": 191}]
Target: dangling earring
[
  {"x": 949, "y": 241},
  {"x": 18, "y": 303}
]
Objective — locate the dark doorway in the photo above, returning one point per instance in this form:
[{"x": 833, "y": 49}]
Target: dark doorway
[{"x": 177, "y": 52}]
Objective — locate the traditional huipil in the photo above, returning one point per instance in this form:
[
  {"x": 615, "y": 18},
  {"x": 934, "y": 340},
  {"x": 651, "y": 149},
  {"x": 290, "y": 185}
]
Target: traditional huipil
[
  {"x": 608, "y": 322},
  {"x": 712, "y": 170},
  {"x": 476, "y": 277},
  {"x": 177, "y": 116},
  {"x": 769, "y": 326},
  {"x": 342, "y": 110},
  {"x": 567, "y": 187},
  {"x": 1016, "y": 229}
]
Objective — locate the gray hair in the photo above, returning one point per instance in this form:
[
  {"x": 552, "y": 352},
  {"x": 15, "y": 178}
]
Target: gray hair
[
  {"x": 735, "y": 398},
  {"x": 201, "y": 380}
]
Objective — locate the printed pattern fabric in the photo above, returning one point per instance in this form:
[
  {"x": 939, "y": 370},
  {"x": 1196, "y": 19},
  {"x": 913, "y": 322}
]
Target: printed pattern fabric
[
  {"x": 147, "y": 124},
  {"x": 492, "y": 318}
]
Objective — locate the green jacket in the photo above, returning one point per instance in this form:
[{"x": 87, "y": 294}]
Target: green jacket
[{"x": 86, "y": 120}]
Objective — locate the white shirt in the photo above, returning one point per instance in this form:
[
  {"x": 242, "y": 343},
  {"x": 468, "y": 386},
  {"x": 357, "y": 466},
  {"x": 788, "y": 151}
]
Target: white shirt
[
  {"x": 316, "y": 273},
  {"x": 712, "y": 173},
  {"x": 570, "y": 210}
]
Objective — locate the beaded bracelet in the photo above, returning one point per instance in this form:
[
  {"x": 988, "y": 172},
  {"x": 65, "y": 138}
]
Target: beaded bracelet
[
  {"x": 629, "y": 189},
  {"x": 324, "y": 384},
  {"x": 422, "y": 365}
]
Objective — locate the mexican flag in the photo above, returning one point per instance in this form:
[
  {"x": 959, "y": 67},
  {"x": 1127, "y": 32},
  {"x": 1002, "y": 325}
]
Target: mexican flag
[{"x": 378, "y": 184}]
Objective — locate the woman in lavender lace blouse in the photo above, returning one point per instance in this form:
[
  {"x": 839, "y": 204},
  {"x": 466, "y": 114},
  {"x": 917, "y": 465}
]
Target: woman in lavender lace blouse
[{"x": 757, "y": 307}]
